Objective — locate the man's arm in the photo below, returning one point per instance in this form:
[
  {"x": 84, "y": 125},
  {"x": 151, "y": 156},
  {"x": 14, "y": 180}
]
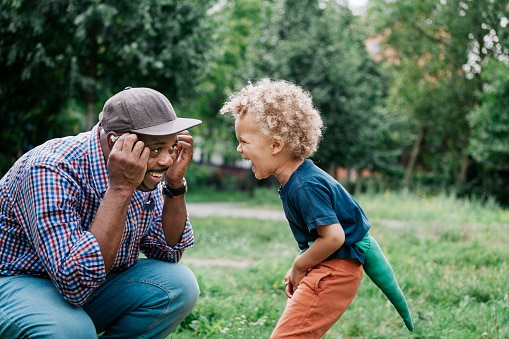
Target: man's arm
[
  {"x": 127, "y": 164},
  {"x": 174, "y": 218},
  {"x": 174, "y": 209}
]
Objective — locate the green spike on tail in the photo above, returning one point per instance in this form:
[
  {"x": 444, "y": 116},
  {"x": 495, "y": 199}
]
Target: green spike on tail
[{"x": 380, "y": 271}]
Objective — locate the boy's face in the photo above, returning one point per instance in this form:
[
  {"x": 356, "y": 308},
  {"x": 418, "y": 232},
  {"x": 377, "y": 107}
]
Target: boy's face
[{"x": 254, "y": 146}]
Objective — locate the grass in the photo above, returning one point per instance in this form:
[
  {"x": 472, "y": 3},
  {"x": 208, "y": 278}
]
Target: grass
[{"x": 450, "y": 256}]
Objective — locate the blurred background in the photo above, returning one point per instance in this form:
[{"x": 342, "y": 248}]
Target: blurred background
[{"x": 414, "y": 93}]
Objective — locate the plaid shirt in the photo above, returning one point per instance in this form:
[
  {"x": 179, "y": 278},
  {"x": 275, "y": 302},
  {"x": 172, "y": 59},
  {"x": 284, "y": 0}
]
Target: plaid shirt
[{"x": 48, "y": 201}]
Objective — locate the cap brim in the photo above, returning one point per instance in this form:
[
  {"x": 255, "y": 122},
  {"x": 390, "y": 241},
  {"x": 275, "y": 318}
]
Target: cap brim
[{"x": 171, "y": 127}]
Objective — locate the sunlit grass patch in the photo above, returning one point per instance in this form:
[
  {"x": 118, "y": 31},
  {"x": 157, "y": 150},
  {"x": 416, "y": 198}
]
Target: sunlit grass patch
[{"x": 450, "y": 257}]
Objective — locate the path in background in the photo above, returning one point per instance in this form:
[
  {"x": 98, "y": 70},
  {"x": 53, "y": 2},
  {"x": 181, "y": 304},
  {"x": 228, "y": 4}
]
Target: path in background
[
  {"x": 231, "y": 209},
  {"x": 228, "y": 209}
]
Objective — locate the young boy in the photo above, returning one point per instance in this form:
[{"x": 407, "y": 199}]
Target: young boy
[{"x": 278, "y": 129}]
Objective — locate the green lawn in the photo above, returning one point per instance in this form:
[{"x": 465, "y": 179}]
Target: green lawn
[{"x": 451, "y": 258}]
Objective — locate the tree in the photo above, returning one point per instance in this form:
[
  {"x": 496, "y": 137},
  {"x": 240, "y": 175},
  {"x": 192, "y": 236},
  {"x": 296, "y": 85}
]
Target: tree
[
  {"x": 489, "y": 123},
  {"x": 30, "y": 94},
  {"x": 234, "y": 25},
  {"x": 437, "y": 52},
  {"x": 320, "y": 46},
  {"x": 55, "y": 53}
]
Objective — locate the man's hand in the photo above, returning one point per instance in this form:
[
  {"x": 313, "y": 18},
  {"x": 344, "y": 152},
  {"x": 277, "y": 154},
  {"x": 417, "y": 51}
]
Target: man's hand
[
  {"x": 127, "y": 162},
  {"x": 181, "y": 159}
]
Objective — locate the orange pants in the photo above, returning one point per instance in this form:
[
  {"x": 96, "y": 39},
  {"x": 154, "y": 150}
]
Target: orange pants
[{"x": 321, "y": 298}]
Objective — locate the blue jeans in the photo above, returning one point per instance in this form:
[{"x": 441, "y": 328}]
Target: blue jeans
[{"x": 149, "y": 300}]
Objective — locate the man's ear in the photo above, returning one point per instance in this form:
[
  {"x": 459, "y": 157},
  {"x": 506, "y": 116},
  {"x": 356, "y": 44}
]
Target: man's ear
[
  {"x": 111, "y": 138},
  {"x": 277, "y": 145}
]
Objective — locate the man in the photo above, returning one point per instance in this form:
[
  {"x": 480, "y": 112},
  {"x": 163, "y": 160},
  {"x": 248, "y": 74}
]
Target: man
[{"x": 76, "y": 212}]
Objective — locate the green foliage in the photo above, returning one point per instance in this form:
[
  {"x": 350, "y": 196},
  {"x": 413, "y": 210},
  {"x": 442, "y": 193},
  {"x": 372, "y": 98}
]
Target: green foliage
[
  {"x": 449, "y": 255},
  {"x": 27, "y": 91},
  {"x": 436, "y": 51},
  {"x": 438, "y": 71},
  {"x": 59, "y": 52},
  {"x": 233, "y": 25},
  {"x": 489, "y": 142},
  {"x": 320, "y": 46}
]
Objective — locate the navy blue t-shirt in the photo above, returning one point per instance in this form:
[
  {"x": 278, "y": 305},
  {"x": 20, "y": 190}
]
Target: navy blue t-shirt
[{"x": 312, "y": 198}]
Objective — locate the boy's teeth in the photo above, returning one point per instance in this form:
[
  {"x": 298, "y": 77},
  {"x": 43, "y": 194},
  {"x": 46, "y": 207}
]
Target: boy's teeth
[{"x": 157, "y": 175}]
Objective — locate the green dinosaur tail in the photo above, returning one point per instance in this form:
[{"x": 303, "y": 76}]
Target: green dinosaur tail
[{"x": 380, "y": 271}]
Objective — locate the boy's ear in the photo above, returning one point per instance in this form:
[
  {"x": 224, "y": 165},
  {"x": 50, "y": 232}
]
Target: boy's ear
[{"x": 277, "y": 144}]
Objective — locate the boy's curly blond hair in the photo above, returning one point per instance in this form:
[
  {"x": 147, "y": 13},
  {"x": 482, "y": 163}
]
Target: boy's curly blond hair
[{"x": 281, "y": 109}]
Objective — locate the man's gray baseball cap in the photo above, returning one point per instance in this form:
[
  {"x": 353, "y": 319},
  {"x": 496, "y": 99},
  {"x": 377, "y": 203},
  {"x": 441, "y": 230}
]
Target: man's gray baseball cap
[{"x": 142, "y": 111}]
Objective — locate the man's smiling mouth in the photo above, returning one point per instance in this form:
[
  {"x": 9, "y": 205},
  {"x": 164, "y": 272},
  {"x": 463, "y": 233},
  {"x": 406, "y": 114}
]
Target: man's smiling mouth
[{"x": 156, "y": 174}]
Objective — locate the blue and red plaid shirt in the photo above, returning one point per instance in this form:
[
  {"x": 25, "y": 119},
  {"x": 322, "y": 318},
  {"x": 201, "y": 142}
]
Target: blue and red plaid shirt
[{"x": 48, "y": 201}]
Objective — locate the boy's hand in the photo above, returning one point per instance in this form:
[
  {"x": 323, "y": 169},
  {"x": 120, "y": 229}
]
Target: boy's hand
[{"x": 292, "y": 280}]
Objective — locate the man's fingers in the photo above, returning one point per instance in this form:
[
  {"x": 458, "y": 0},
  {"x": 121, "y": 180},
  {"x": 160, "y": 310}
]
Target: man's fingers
[
  {"x": 127, "y": 141},
  {"x": 138, "y": 148},
  {"x": 130, "y": 146}
]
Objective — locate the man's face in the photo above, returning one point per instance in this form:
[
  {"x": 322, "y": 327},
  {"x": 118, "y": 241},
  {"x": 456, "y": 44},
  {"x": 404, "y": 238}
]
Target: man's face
[{"x": 162, "y": 156}]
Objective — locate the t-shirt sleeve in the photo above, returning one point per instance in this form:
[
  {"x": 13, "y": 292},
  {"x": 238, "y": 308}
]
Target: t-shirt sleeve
[{"x": 313, "y": 203}]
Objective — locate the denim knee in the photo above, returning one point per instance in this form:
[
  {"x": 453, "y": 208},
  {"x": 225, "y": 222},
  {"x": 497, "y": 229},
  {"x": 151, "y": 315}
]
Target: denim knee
[
  {"x": 149, "y": 300},
  {"x": 57, "y": 326},
  {"x": 180, "y": 287},
  {"x": 190, "y": 288},
  {"x": 31, "y": 307},
  {"x": 65, "y": 329}
]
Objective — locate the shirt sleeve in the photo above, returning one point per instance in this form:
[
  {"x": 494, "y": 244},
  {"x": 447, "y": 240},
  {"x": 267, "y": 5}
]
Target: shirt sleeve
[
  {"x": 315, "y": 206},
  {"x": 154, "y": 244},
  {"x": 52, "y": 216}
]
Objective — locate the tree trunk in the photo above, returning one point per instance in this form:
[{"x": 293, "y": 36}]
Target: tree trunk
[
  {"x": 413, "y": 157},
  {"x": 466, "y": 162},
  {"x": 91, "y": 113},
  {"x": 91, "y": 73}
]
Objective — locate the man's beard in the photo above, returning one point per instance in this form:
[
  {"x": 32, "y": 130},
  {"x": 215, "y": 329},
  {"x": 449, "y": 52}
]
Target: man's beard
[{"x": 145, "y": 187}]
